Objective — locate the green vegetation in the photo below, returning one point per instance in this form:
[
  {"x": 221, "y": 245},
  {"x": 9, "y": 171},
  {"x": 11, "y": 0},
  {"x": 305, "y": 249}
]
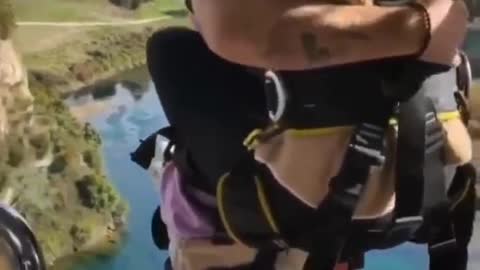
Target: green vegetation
[
  {"x": 62, "y": 10},
  {"x": 44, "y": 153},
  {"x": 94, "y": 193},
  {"x": 173, "y": 8},
  {"x": 7, "y": 23},
  {"x": 89, "y": 10},
  {"x": 51, "y": 199},
  {"x": 100, "y": 54}
]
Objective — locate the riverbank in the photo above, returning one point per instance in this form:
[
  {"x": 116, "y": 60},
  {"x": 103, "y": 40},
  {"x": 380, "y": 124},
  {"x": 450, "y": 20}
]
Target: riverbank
[
  {"x": 89, "y": 56},
  {"x": 94, "y": 55}
]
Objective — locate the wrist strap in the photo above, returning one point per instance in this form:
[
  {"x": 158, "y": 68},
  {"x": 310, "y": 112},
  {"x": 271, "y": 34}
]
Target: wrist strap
[{"x": 427, "y": 27}]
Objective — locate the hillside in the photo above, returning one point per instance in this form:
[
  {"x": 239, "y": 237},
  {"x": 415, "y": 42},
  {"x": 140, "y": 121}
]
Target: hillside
[
  {"x": 50, "y": 165},
  {"x": 65, "y": 58}
]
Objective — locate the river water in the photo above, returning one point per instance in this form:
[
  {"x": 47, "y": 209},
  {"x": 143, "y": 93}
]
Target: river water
[{"x": 125, "y": 110}]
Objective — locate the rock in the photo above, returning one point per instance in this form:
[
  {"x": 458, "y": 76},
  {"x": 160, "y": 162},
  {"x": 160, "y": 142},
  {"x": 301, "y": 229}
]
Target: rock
[
  {"x": 11, "y": 70},
  {"x": 13, "y": 86},
  {"x": 83, "y": 71}
]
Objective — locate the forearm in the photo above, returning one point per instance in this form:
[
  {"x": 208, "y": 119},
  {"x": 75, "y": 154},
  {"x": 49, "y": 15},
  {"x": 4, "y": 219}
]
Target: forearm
[
  {"x": 296, "y": 36},
  {"x": 319, "y": 36}
]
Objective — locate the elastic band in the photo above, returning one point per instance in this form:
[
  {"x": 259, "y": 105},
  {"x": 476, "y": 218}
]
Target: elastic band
[{"x": 427, "y": 26}]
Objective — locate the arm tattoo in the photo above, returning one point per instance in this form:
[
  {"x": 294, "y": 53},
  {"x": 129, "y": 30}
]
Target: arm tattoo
[
  {"x": 316, "y": 53},
  {"x": 313, "y": 51}
]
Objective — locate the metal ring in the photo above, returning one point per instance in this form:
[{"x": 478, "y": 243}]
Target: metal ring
[
  {"x": 280, "y": 94},
  {"x": 468, "y": 72},
  {"x": 15, "y": 231}
]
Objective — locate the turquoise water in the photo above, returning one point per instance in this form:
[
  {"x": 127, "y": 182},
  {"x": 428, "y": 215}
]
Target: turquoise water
[{"x": 129, "y": 119}]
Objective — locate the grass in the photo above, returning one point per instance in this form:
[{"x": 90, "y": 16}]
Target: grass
[
  {"x": 161, "y": 8},
  {"x": 59, "y": 10},
  {"x": 89, "y": 10},
  {"x": 48, "y": 37}
]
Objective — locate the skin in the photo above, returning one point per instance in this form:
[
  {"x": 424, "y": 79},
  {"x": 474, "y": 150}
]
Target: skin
[{"x": 305, "y": 34}]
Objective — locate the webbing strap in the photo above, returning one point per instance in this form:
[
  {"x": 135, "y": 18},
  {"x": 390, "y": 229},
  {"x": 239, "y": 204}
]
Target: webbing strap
[
  {"x": 365, "y": 150},
  {"x": 421, "y": 193},
  {"x": 328, "y": 244},
  {"x": 462, "y": 215}
]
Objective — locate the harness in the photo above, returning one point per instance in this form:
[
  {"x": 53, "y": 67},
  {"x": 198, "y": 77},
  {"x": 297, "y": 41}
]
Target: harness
[
  {"x": 22, "y": 248},
  {"x": 256, "y": 211}
]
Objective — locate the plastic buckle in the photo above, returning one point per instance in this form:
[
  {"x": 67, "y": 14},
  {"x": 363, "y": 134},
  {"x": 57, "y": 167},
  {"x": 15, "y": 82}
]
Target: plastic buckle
[
  {"x": 405, "y": 228},
  {"x": 368, "y": 141}
]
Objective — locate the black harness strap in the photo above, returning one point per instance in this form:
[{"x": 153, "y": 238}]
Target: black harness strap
[
  {"x": 421, "y": 192},
  {"x": 365, "y": 150},
  {"x": 462, "y": 215}
]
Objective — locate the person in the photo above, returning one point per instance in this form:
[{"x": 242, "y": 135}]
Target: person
[{"x": 211, "y": 86}]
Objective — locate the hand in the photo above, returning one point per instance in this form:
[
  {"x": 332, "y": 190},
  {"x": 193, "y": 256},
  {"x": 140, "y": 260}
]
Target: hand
[{"x": 449, "y": 21}]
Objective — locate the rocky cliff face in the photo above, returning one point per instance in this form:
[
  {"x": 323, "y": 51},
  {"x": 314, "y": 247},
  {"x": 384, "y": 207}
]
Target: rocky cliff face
[{"x": 50, "y": 166}]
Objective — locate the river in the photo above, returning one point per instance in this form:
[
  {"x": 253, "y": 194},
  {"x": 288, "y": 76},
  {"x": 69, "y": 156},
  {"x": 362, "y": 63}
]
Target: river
[{"x": 127, "y": 110}]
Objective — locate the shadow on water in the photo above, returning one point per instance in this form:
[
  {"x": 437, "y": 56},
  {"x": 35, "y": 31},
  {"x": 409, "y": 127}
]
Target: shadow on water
[{"x": 107, "y": 89}]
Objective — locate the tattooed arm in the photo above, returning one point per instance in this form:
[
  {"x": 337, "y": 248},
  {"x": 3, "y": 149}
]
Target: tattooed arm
[{"x": 296, "y": 34}]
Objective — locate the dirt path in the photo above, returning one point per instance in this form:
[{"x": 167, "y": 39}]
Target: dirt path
[{"x": 90, "y": 24}]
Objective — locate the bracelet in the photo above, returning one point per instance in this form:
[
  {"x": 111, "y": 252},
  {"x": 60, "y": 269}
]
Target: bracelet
[{"x": 427, "y": 25}]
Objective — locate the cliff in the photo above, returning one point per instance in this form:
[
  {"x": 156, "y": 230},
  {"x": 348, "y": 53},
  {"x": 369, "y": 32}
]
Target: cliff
[{"x": 50, "y": 164}]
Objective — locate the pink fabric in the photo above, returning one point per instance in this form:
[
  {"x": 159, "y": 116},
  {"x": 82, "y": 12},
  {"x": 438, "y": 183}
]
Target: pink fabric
[{"x": 183, "y": 219}]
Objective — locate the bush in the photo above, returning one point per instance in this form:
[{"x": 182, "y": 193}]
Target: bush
[
  {"x": 41, "y": 144},
  {"x": 15, "y": 155},
  {"x": 91, "y": 135},
  {"x": 84, "y": 189},
  {"x": 7, "y": 19},
  {"x": 79, "y": 235},
  {"x": 93, "y": 160},
  {"x": 58, "y": 165},
  {"x": 119, "y": 214}
]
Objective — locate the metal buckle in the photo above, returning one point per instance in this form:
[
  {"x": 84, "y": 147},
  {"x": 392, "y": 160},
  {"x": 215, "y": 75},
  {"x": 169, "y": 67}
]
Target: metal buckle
[
  {"x": 275, "y": 82},
  {"x": 464, "y": 75}
]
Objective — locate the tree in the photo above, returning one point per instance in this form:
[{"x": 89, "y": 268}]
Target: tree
[{"x": 7, "y": 19}]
